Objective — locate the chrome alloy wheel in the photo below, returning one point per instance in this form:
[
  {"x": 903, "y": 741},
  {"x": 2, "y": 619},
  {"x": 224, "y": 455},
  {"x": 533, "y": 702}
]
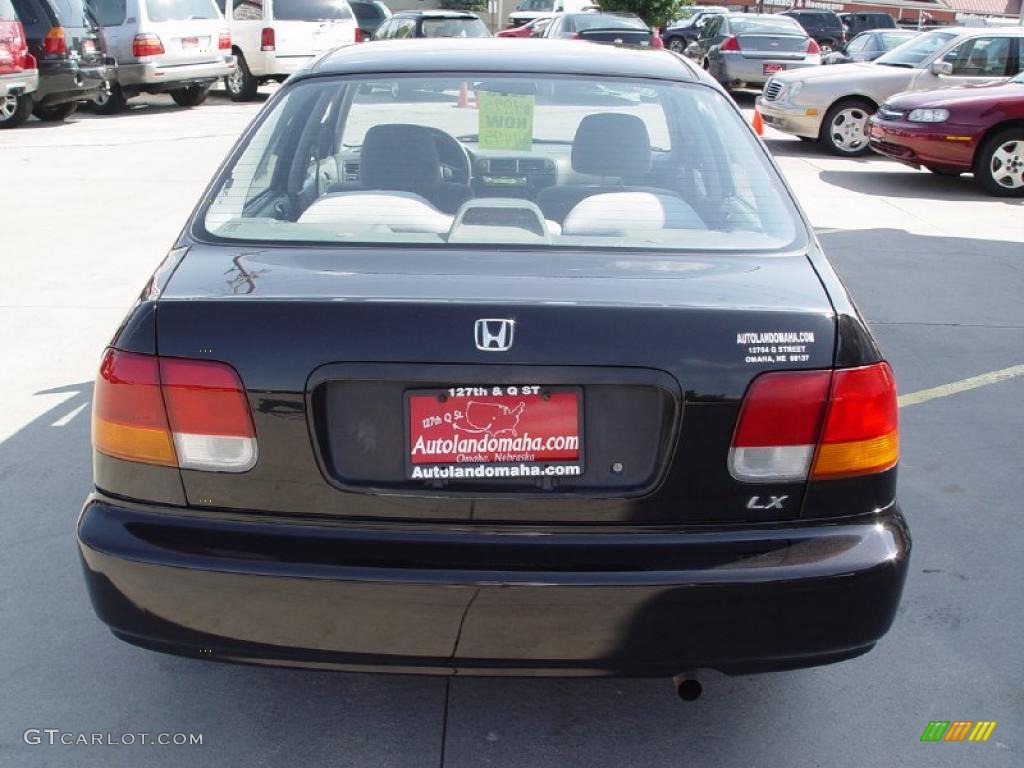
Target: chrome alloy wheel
[{"x": 849, "y": 129}]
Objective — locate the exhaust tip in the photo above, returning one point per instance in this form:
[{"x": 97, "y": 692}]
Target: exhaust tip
[{"x": 688, "y": 688}]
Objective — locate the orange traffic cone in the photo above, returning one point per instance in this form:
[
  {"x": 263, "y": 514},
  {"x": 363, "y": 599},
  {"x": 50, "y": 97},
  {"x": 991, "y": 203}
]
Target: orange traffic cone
[
  {"x": 758, "y": 123},
  {"x": 464, "y": 102}
]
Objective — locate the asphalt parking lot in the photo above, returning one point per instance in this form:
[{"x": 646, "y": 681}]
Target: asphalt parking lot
[{"x": 88, "y": 209}]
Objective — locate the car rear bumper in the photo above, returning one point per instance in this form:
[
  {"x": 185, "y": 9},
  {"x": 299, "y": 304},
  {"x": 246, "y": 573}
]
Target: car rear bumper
[
  {"x": 155, "y": 75},
  {"x": 449, "y": 600},
  {"x": 737, "y": 67},
  {"x": 19, "y": 83},
  {"x": 939, "y": 145},
  {"x": 277, "y": 64},
  {"x": 789, "y": 118},
  {"x": 66, "y": 80}
]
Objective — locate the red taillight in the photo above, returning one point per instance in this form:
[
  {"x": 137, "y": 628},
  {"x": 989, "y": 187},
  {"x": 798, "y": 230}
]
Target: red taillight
[
  {"x": 575, "y": 36},
  {"x": 147, "y": 45},
  {"x": 359, "y": 35},
  {"x": 267, "y": 40},
  {"x": 128, "y": 417},
  {"x": 224, "y": 41},
  {"x": 173, "y": 411},
  {"x": 861, "y": 432},
  {"x": 778, "y": 426},
  {"x": 54, "y": 42},
  {"x": 813, "y": 47},
  {"x": 795, "y": 424},
  {"x": 730, "y": 44},
  {"x": 28, "y": 62},
  {"x": 656, "y": 41}
]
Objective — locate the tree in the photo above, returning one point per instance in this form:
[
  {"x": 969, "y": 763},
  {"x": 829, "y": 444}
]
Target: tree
[{"x": 657, "y": 13}]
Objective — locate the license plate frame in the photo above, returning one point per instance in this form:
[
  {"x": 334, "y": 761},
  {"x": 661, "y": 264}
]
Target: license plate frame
[
  {"x": 188, "y": 43},
  {"x": 523, "y": 465},
  {"x": 772, "y": 68}
]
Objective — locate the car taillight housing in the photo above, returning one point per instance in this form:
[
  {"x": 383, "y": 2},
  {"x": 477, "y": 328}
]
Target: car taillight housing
[
  {"x": 55, "y": 42},
  {"x": 173, "y": 412},
  {"x": 359, "y": 35},
  {"x": 813, "y": 47},
  {"x": 821, "y": 425},
  {"x": 224, "y": 41},
  {"x": 147, "y": 45},
  {"x": 730, "y": 44},
  {"x": 267, "y": 39}
]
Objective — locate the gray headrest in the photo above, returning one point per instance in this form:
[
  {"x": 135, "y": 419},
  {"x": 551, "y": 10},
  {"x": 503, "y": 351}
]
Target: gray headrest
[
  {"x": 612, "y": 144},
  {"x": 396, "y": 156}
]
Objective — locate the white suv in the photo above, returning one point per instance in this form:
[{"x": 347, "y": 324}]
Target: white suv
[
  {"x": 273, "y": 38},
  {"x": 180, "y": 47}
]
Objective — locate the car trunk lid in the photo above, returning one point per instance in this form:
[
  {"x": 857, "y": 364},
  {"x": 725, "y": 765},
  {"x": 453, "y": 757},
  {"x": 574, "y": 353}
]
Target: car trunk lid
[
  {"x": 772, "y": 46},
  {"x": 653, "y": 349}
]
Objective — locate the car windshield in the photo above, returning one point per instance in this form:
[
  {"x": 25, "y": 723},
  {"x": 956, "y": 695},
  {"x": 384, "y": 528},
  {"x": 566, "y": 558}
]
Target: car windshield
[
  {"x": 180, "y": 10},
  {"x": 916, "y": 50},
  {"x": 745, "y": 26},
  {"x": 607, "y": 21},
  {"x": 454, "y": 28},
  {"x": 890, "y": 40},
  {"x": 311, "y": 10},
  {"x": 535, "y": 5},
  {"x": 538, "y": 161}
]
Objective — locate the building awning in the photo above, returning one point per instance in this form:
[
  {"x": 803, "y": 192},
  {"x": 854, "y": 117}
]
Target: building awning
[{"x": 986, "y": 7}]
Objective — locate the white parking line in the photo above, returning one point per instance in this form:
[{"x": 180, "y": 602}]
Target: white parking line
[
  {"x": 973, "y": 382},
  {"x": 66, "y": 419}
]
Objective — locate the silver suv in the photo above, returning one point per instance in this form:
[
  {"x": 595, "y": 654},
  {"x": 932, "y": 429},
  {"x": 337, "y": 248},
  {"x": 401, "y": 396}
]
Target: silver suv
[{"x": 180, "y": 47}]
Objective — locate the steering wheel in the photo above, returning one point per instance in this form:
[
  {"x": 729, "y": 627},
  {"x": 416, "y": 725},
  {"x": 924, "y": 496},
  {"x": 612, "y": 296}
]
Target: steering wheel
[{"x": 456, "y": 165}]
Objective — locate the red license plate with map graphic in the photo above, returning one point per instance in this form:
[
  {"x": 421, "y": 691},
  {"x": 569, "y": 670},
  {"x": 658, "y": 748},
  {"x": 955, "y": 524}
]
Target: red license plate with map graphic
[{"x": 493, "y": 432}]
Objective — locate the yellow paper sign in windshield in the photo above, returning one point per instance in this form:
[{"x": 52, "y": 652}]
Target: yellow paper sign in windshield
[{"x": 506, "y": 120}]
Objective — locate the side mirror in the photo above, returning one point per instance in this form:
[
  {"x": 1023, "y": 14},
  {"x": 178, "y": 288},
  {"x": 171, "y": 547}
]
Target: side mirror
[{"x": 942, "y": 68}]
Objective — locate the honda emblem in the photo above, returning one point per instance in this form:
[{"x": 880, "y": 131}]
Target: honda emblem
[{"x": 494, "y": 334}]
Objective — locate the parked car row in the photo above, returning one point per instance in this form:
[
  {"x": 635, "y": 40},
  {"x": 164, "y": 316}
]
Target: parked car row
[{"x": 950, "y": 100}]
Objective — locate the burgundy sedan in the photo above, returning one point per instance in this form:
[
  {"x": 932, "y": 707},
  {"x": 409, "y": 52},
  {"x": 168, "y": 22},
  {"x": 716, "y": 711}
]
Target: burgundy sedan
[{"x": 974, "y": 129}]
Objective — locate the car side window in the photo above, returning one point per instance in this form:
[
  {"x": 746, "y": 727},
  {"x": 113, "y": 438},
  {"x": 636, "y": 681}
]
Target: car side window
[
  {"x": 109, "y": 13},
  {"x": 405, "y": 28},
  {"x": 222, "y": 6},
  {"x": 858, "y": 44},
  {"x": 382, "y": 31},
  {"x": 247, "y": 10},
  {"x": 981, "y": 57}
]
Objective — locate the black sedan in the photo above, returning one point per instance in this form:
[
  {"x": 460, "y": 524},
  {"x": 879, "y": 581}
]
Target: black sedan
[{"x": 545, "y": 380}]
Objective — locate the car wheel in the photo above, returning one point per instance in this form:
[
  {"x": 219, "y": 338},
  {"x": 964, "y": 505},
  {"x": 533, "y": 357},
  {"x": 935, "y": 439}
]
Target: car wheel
[
  {"x": 55, "y": 113},
  {"x": 999, "y": 164},
  {"x": 110, "y": 101},
  {"x": 676, "y": 44},
  {"x": 240, "y": 84},
  {"x": 14, "y": 110},
  {"x": 192, "y": 96},
  {"x": 844, "y": 130},
  {"x": 826, "y": 49}
]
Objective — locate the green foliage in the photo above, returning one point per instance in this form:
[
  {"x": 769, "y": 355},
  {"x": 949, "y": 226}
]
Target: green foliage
[
  {"x": 464, "y": 5},
  {"x": 657, "y": 13}
]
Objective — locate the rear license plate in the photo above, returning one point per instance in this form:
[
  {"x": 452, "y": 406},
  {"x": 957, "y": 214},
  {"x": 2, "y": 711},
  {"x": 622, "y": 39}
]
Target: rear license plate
[
  {"x": 190, "y": 42},
  {"x": 494, "y": 433},
  {"x": 771, "y": 69}
]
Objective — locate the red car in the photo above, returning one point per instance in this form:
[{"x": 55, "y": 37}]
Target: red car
[
  {"x": 534, "y": 28},
  {"x": 19, "y": 76},
  {"x": 974, "y": 129}
]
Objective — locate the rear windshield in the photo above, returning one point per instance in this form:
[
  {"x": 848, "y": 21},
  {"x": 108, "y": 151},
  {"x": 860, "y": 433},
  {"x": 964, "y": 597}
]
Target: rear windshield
[
  {"x": 504, "y": 161},
  {"x": 915, "y": 51},
  {"x": 454, "y": 28},
  {"x": 180, "y": 10},
  {"x": 607, "y": 21},
  {"x": 367, "y": 11},
  {"x": 890, "y": 40},
  {"x": 535, "y": 5},
  {"x": 311, "y": 10},
  {"x": 72, "y": 13},
  {"x": 763, "y": 24}
]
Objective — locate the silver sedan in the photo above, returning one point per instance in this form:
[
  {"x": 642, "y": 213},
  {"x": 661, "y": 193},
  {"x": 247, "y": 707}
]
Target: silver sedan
[{"x": 745, "y": 49}]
